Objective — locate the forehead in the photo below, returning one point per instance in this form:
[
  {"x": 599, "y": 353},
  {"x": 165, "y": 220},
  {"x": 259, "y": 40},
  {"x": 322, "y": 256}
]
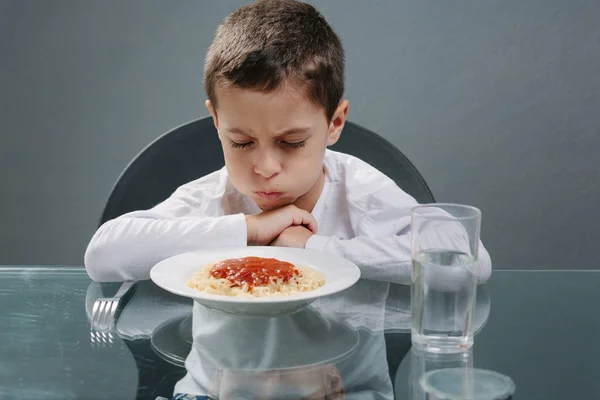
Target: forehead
[
  {"x": 311, "y": 379},
  {"x": 278, "y": 109}
]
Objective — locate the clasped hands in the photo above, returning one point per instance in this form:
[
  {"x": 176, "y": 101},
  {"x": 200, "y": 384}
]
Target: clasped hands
[{"x": 287, "y": 226}]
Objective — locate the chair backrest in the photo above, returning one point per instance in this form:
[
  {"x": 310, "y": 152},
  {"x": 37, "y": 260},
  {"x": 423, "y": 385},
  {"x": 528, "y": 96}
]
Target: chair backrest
[
  {"x": 193, "y": 150},
  {"x": 377, "y": 151}
]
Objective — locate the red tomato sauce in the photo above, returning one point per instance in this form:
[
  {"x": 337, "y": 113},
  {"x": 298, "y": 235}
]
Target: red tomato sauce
[{"x": 254, "y": 271}]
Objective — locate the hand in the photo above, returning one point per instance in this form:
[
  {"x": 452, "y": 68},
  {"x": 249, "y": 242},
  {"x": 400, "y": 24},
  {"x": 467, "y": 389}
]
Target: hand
[
  {"x": 294, "y": 236},
  {"x": 265, "y": 227}
]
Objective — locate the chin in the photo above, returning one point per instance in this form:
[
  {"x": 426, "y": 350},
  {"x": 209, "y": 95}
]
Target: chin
[{"x": 267, "y": 206}]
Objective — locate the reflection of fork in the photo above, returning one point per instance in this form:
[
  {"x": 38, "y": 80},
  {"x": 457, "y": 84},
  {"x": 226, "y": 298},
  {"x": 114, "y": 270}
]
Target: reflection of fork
[
  {"x": 101, "y": 339},
  {"x": 103, "y": 312}
]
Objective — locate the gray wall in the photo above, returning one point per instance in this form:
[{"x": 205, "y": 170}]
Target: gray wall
[{"x": 496, "y": 102}]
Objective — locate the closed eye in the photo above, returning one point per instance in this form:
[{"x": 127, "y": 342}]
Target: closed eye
[
  {"x": 294, "y": 145},
  {"x": 237, "y": 145}
]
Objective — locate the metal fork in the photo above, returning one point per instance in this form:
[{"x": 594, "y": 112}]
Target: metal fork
[{"x": 103, "y": 312}]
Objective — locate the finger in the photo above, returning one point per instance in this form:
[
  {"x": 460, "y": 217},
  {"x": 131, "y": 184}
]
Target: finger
[
  {"x": 312, "y": 224},
  {"x": 305, "y": 218}
]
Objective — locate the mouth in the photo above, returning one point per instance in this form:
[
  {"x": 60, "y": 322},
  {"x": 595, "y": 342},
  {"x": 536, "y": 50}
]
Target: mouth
[{"x": 269, "y": 195}]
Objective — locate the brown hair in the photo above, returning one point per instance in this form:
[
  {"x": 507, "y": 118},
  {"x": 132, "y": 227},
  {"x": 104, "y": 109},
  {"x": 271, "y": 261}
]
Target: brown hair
[{"x": 262, "y": 45}]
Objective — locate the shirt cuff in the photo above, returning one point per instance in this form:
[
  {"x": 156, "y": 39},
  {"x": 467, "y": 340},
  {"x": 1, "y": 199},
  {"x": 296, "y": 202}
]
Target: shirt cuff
[{"x": 316, "y": 242}]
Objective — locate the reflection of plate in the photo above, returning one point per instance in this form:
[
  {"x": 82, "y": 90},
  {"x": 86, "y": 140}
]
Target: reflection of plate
[
  {"x": 263, "y": 356},
  {"x": 302, "y": 340},
  {"x": 173, "y": 273},
  {"x": 172, "y": 340}
]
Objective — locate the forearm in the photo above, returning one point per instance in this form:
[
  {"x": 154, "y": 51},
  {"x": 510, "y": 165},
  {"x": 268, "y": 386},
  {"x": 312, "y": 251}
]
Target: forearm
[
  {"x": 385, "y": 258},
  {"x": 382, "y": 259},
  {"x": 128, "y": 247}
]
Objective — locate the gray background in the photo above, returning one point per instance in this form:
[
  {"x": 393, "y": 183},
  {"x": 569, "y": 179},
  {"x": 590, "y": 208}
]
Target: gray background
[{"x": 496, "y": 102}]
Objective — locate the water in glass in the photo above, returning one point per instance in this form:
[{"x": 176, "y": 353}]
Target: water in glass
[{"x": 443, "y": 294}]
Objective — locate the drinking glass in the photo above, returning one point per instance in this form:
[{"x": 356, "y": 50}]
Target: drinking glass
[{"x": 445, "y": 240}]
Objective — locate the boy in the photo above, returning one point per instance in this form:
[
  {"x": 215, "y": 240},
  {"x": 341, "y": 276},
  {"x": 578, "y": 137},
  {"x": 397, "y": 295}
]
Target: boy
[{"x": 274, "y": 76}]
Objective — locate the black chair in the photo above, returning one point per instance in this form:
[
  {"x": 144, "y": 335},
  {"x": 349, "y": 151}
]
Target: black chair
[{"x": 193, "y": 150}]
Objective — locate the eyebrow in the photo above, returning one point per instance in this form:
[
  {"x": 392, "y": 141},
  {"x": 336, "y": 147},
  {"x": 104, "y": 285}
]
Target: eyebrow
[
  {"x": 238, "y": 131},
  {"x": 293, "y": 131},
  {"x": 279, "y": 135}
]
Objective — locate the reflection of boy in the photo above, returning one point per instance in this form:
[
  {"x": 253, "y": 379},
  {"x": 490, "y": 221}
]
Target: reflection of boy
[
  {"x": 322, "y": 382},
  {"x": 287, "y": 357}
]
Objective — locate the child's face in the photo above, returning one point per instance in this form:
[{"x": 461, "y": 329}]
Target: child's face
[
  {"x": 274, "y": 143},
  {"x": 318, "y": 383}
]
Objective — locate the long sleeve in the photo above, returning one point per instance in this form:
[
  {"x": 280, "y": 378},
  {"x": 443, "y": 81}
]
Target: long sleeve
[
  {"x": 380, "y": 259},
  {"x": 385, "y": 258},
  {"x": 128, "y": 247}
]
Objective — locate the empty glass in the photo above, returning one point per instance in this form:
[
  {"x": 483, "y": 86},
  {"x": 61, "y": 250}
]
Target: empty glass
[{"x": 445, "y": 240}]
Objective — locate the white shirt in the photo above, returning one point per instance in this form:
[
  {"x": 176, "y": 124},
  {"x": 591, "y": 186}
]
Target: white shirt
[{"x": 362, "y": 216}]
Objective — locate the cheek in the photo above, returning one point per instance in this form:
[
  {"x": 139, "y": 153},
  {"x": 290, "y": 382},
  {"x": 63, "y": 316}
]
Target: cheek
[
  {"x": 238, "y": 166},
  {"x": 310, "y": 163}
]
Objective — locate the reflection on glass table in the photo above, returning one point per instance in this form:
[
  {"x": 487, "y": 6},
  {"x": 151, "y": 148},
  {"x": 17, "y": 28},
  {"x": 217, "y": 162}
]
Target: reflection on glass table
[
  {"x": 541, "y": 332},
  {"x": 540, "y": 329},
  {"x": 148, "y": 308},
  {"x": 320, "y": 341},
  {"x": 308, "y": 352},
  {"x": 292, "y": 356},
  {"x": 462, "y": 383},
  {"x": 313, "y": 342},
  {"x": 45, "y": 347},
  {"x": 422, "y": 362}
]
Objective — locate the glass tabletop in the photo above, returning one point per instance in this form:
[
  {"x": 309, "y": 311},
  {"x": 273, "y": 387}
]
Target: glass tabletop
[{"x": 538, "y": 327}]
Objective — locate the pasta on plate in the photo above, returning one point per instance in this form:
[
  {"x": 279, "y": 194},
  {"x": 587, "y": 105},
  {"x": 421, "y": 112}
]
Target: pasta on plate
[{"x": 256, "y": 277}]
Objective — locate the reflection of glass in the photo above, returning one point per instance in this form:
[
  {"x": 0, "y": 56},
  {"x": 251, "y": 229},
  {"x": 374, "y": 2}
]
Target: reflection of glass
[
  {"x": 445, "y": 240},
  {"x": 467, "y": 384},
  {"x": 422, "y": 362}
]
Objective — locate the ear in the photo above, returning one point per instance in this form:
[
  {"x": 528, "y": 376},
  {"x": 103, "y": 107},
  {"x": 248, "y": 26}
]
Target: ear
[
  {"x": 215, "y": 384},
  {"x": 334, "y": 385},
  {"x": 337, "y": 122},
  {"x": 212, "y": 112}
]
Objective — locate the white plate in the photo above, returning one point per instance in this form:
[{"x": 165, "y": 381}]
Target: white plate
[{"x": 173, "y": 273}]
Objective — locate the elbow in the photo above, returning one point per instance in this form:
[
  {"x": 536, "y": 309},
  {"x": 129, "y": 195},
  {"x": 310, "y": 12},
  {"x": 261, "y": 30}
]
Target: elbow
[
  {"x": 100, "y": 261},
  {"x": 92, "y": 264},
  {"x": 96, "y": 263},
  {"x": 114, "y": 254},
  {"x": 485, "y": 265}
]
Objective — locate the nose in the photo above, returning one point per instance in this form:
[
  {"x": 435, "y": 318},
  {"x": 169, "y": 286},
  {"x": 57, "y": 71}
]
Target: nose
[{"x": 268, "y": 165}]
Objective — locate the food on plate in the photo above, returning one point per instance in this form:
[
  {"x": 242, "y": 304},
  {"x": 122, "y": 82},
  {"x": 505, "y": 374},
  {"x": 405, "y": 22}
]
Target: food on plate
[{"x": 256, "y": 277}]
